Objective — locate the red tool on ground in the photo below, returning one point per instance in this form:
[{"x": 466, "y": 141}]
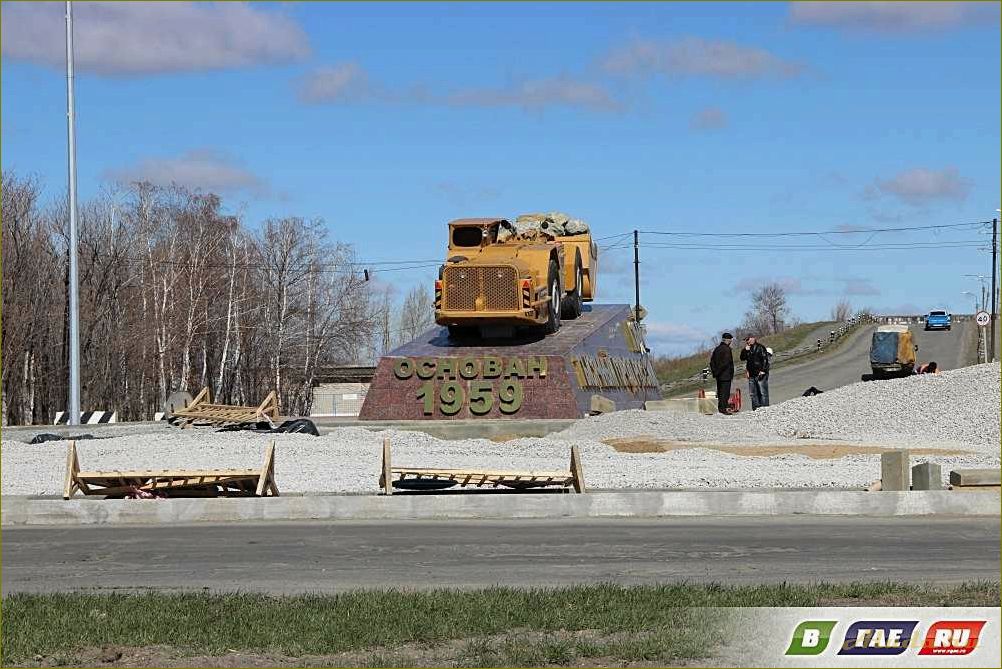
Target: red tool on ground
[{"x": 735, "y": 402}]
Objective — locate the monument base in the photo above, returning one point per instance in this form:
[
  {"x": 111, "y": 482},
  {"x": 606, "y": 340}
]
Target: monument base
[{"x": 598, "y": 360}]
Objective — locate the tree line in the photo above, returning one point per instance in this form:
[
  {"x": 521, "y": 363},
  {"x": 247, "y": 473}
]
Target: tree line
[{"x": 176, "y": 294}]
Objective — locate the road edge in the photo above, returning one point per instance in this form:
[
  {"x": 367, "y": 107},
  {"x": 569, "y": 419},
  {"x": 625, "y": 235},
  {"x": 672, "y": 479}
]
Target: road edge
[{"x": 24, "y": 511}]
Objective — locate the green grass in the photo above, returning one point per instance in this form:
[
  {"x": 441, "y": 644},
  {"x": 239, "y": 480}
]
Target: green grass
[
  {"x": 682, "y": 367},
  {"x": 630, "y": 623}
]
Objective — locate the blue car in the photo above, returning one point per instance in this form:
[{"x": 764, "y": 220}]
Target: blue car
[{"x": 937, "y": 320}]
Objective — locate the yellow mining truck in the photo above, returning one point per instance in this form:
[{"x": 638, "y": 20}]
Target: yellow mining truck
[{"x": 499, "y": 276}]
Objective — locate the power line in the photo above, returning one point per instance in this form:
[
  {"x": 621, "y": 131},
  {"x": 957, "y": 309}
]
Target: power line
[
  {"x": 815, "y": 233},
  {"x": 820, "y": 247}
]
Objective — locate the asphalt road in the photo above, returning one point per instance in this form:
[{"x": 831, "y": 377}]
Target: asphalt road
[
  {"x": 330, "y": 557},
  {"x": 851, "y": 360}
]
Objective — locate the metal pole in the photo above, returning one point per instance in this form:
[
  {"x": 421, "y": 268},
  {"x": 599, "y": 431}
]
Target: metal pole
[
  {"x": 74, "y": 395},
  {"x": 995, "y": 299},
  {"x": 636, "y": 271}
]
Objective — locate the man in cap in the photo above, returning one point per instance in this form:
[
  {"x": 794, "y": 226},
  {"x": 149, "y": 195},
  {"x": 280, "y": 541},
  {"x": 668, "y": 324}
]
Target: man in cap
[{"x": 722, "y": 368}]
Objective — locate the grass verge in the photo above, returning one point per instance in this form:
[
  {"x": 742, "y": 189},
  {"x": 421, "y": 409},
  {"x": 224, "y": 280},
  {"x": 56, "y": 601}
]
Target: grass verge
[
  {"x": 671, "y": 369},
  {"x": 490, "y": 627}
]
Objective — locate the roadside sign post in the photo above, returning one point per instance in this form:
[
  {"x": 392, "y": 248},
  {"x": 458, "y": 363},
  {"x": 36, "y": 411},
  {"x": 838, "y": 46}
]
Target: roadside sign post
[{"x": 983, "y": 318}]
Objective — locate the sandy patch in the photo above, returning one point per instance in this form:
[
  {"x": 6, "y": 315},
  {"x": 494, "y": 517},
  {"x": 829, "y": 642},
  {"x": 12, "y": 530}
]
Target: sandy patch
[{"x": 814, "y": 451}]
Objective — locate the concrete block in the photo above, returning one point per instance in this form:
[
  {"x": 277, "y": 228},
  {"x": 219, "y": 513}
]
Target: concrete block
[
  {"x": 602, "y": 404},
  {"x": 927, "y": 476},
  {"x": 708, "y": 405},
  {"x": 894, "y": 472},
  {"x": 676, "y": 405},
  {"x": 971, "y": 477}
]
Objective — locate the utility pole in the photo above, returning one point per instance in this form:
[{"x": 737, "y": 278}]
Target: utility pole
[
  {"x": 636, "y": 271},
  {"x": 995, "y": 299},
  {"x": 73, "y": 409}
]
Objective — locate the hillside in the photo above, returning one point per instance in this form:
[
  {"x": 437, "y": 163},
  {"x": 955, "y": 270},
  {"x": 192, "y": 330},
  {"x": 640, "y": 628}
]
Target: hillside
[{"x": 672, "y": 369}]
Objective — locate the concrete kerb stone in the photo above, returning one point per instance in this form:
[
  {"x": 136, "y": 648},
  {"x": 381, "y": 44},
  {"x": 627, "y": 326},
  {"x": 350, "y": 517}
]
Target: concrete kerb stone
[{"x": 15, "y": 511}]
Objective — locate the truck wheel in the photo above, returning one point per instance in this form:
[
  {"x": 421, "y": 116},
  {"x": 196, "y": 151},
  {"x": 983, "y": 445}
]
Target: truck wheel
[
  {"x": 553, "y": 308},
  {"x": 571, "y": 307}
]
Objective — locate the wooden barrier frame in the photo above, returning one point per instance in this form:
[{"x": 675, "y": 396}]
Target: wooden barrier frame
[
  {"x": 191, "y": 482},
  {"x": 481, "y": 478},
  {"x": 202, "y": 409}
]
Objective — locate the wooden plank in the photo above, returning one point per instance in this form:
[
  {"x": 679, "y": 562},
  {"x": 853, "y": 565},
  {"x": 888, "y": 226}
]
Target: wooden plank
[
  {"x": 177, "y": 473},
  {"x": 269, "y": 407},
  {"x": 266, "y": 470},
  {"x": 976, "y": 477},
  {"x": 72, "y": 468},
  {"x": 386, "y": 477},
  {"x": 202, "y": 409},
  {"x": 202, "y": 396},
  {"x": 576, "y": 470},
  {"x": 120, "y": 482},
  {"x": 481, "y": 478},
  {"x": 474, "y": 472}
]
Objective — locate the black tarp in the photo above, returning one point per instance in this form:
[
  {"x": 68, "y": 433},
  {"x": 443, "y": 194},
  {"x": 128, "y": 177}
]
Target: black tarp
[{"x": 884, "y": 349}]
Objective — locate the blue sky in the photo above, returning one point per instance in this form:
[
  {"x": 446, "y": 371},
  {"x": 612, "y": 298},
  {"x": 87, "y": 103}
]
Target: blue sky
[{"x": 387, "y": 120}]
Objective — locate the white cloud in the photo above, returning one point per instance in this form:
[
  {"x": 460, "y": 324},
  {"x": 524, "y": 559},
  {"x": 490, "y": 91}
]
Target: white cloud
[
  {"x": 674, "y": 336},
  {"x": 140, "y": 38},
  {"x": 708, "y": 118},
  {"x": 791, "y": 284},
  {"x": 341, "y": 82},
  {"x": 894, "y": 16},
  {"x": 920, "y": 185},
  {"x": 203, "y": 169},
  {"x": 695, "y": 56},
  {"x": 538, "y": 94},
  {"x": 349, "y": 83},
  {"x": 858, "y": 286}
]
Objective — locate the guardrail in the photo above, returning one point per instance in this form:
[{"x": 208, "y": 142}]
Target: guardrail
[
  {"x": 908, "y": 320},
  {"x": 813, "y": 347}
]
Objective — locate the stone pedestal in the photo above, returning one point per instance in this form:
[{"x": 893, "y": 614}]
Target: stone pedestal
[{"x": 599, "y": 354}]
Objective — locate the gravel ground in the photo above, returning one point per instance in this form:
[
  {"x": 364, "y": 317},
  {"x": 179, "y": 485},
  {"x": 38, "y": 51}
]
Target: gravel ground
[
  {"x": 957, "y": 409},
  {"x": 960, "y": 405}
]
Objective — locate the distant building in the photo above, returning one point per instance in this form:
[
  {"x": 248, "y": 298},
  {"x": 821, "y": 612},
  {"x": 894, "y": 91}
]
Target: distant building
[{"x": 340, "y": 391}]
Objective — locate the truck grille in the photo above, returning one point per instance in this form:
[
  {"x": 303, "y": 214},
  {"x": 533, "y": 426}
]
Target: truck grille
[{"x": 495, "y": 284}]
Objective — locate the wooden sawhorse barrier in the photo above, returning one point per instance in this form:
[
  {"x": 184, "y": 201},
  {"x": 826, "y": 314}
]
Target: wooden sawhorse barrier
[
  {"x": 202, "y": 409},
  {"x": 439, "y": 478},
  {"x": 171, "y": 482}
]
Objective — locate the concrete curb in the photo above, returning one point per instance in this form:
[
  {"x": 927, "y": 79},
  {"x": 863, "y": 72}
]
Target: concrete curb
[{"x": 25, "y": 511}]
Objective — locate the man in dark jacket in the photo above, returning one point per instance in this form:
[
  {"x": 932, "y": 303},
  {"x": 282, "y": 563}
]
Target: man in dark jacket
[
  {"x": 756, "y": 359},
  {"x": 722, "y": 368}
]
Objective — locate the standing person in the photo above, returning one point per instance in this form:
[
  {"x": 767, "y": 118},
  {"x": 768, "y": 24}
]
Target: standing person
[
  {"x": 756, "y": 357},
  {"x": 722, "y": 368}
]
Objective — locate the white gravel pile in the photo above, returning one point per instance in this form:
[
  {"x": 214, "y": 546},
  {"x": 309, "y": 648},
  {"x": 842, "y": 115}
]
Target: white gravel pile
[
  {"x": 348, "y": 460},
  {"x": 957, "y": 409},
  {"x": 960, "y": 406},
  {"x": 666, "y": 425}
]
